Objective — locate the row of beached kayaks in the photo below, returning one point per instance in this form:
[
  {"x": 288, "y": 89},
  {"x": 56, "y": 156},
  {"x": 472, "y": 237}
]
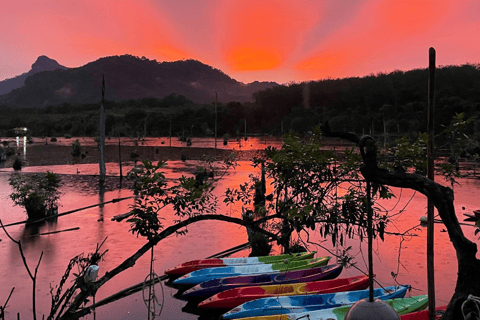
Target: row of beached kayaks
[
  {"x": 282, "y": 287},
  {"x": 209, "y": 288}
]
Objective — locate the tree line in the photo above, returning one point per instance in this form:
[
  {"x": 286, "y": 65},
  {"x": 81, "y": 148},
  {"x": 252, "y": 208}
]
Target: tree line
[{"x": 394, "y": 104}]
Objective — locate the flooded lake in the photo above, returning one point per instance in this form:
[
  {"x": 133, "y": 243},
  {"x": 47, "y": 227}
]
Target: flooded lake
[{"x": 203, "y": 239}]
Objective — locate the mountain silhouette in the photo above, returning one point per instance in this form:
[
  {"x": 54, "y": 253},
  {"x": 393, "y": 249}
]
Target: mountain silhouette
[
  {"x": 43, "y": 63},
  {"x": 129, "y": 77}
]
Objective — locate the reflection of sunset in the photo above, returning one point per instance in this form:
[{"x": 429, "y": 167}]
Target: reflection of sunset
[{"x": 274, "y": 40}]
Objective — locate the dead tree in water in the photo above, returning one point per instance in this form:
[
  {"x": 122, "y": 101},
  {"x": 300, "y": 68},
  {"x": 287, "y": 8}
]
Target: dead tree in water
[
  {"x": 442, "y": 198},
  {"x": 102, "y": 134}
]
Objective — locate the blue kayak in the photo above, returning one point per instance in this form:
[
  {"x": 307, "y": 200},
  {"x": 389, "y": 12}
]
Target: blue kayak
[
  {"x": 209, "y": 288},
  {"x": 199, "y": 276},
  {"x": 304, "y": 303}
]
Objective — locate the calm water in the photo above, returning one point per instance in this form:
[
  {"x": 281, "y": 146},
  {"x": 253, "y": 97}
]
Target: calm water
[{"x": 203, "y": 239}]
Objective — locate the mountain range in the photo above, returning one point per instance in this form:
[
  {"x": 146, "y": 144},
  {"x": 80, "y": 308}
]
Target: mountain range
[{"x": 126, "y": 77}]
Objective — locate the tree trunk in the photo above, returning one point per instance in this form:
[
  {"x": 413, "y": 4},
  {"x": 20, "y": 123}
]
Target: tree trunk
[{"x": 468, "y": 281}]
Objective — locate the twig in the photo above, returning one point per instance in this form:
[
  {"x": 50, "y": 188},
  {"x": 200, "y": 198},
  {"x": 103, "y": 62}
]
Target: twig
[
  {"x": 52, "y": 232},
  {"x": 34, "y": 276},
  {"x": 2, "y": 309},
  {"x": 120, "y": 217},
  {"x": 65, "y": 213}
]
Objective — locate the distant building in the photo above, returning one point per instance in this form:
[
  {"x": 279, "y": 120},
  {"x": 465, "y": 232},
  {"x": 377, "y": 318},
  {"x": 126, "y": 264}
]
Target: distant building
[{"x": 20, "y": 131}]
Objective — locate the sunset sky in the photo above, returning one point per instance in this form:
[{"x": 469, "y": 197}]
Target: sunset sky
[{"x": 265, "y": 40}]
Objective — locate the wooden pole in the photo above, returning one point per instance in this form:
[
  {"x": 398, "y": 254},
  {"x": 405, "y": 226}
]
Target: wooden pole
[
  {"x": 120, "y": 157},
  {"x": 431, "y": 173},
  {"x": 102, "y": 133},
  {"x": 370, "y": 242},
  {"x": 215, "y": 119},
  {"x": 245, "y": 128}
]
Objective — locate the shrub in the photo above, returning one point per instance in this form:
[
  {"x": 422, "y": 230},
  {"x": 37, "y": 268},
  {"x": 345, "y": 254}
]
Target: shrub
[
  {"x": 17, "y": 164},
  {"x": 53, "y": 139},
  {"x": 67, "y": 136},
  {"x": 37, "y": 193},
  {"x": 76, "y": 149},
  {"x": 226, "y": 136}
]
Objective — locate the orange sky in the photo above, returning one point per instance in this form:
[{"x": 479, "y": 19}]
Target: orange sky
[{"x": 272, "y": 40}]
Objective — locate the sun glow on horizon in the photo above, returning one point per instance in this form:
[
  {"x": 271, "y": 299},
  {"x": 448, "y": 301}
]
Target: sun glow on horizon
[
  {"x": 261, "y": 35},
  {"x": 265, "y": 40}
]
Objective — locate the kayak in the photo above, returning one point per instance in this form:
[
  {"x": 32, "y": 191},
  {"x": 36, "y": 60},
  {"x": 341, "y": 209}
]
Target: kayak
[
  {"x": 209, "y": 288},
  {"x": 424, "y": 314},
  {"x": 199, "y": 276},
  {"x": 193, "y": 265},
  {"x": 310, "y": 302},
  {"x": 401, "y": 305},
  {"x": 234, "y": 297}
]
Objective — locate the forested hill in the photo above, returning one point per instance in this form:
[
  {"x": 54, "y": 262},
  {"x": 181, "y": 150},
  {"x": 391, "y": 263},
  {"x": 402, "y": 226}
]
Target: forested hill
[
  {"x": 394, "y": 103},
  {"x": 362, "y": 104},
  {"x": 128, "y": 77}
]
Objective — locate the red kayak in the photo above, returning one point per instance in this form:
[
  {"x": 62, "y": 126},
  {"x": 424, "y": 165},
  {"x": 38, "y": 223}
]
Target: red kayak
[
  {"x": 234, "y": 297},
  {"x": 424, "y": 314}
]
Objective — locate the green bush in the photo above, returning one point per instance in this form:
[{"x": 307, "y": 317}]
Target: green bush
[
  {"x": 67, "y": 136},
  {"x": 53, "y": 139},
  {"x": 37, "y": 193}
]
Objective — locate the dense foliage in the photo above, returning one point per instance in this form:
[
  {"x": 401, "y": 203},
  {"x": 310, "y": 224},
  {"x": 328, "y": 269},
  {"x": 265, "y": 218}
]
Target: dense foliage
[
  {"x": 187, "y": 197},
  {"x": 311, "y": 189}
]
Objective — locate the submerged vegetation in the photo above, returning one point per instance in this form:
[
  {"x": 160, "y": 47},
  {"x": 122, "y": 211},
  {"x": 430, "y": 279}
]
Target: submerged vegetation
[{"x": 37, "y": 193}]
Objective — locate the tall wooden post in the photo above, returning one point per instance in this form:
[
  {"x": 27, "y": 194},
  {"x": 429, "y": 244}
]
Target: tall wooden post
[
  {"x": 102, "y": 133},
  {"x": 370, "y": 242},
  {"x": 215, "y": 119},
  {"x": 431, "y": 176}
]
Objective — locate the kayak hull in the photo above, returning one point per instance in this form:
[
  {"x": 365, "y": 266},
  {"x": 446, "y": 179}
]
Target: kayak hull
[
  {"x": 231, "y": 298},
  {"x": 194, "y": 265},
  {"x": 211, "y": 287},
  {"x": 310, "y": 302},
  {"x": 199, "y": 276},
  {"x": 424, "y": 314},
  {"x": 401, "y": 305}
]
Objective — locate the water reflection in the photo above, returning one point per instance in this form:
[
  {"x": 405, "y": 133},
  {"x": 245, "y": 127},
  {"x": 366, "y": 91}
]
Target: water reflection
[{"x": 203, "y": 239}]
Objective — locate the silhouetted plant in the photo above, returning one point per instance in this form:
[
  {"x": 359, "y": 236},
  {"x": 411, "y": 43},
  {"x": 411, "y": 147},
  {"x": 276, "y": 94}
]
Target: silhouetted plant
[
  {"x": 76, "y": 149},
  {"x": 37, "y": 193},
  {"x": 17, "y": 164}
]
